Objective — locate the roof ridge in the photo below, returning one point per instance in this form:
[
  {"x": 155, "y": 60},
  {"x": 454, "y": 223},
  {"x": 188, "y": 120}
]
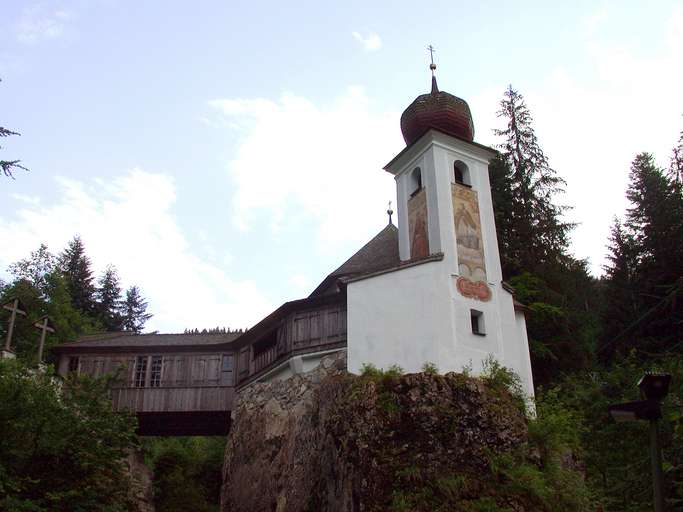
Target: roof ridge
[{"x": 369, "y": 242}]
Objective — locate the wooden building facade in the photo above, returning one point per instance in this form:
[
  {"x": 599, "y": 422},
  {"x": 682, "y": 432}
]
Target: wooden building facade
[{"x": 185, "y": 384}]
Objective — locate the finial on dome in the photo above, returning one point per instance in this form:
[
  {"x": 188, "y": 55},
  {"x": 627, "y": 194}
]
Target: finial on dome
[{"x": 432, "y": 66}]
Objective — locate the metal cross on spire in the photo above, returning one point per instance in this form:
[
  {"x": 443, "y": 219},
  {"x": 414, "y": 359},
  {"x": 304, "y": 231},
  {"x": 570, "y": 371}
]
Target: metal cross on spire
[{"x": 432, "y": 66}]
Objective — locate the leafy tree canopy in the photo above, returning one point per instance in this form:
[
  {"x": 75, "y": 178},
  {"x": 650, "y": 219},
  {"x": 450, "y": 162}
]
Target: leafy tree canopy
[{"x": 62, "y": 447}]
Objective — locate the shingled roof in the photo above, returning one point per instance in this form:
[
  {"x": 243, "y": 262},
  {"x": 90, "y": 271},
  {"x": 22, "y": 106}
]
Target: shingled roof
[
  {"x": 128, "y": 339},
  {"x": 378, "y": 254}
]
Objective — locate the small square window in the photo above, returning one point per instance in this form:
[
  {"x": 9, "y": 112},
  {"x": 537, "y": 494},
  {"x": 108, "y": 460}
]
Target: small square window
[{"x": 477, "y": 318}]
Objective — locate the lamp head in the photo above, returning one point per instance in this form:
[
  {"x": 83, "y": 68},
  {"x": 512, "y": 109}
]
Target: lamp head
[{"x": 655, "y": 386}]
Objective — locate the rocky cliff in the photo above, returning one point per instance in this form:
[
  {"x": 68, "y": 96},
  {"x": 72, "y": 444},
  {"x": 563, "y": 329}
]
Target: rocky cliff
[{"x": 330, "y": 441}]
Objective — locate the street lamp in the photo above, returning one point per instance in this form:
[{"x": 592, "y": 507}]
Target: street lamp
[{"x": 654, "y": 387}]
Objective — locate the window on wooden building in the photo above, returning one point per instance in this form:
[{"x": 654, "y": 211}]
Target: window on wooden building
[
  {"x": 227, "y": 367},
  {"x": 155, "y": 372},
  {"x": 74, "y": 363},
  {"x": 140, "y": 376}
]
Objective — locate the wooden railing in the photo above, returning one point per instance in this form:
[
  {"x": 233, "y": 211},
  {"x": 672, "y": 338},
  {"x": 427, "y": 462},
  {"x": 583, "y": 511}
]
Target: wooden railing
[{"x": 264, "y": 358}]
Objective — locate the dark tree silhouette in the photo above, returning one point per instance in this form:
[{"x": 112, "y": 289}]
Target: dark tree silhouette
[{"x": 134, "y": 311}]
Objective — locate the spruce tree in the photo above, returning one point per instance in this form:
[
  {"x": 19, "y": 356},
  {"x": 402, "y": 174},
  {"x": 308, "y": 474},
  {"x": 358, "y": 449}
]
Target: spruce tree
[
  {"x": 9, "y": 166},
  {"x": 75, "y": 266},
  {"x": 134, "y": 311},
  {"x": 655, "y": 221},
  {"x": 535, "y": 231},
  {"x": 676, "y": 167},
  {"x": 622, "y": 302},
  {"x": 109, "y": 299},
  {"x": 533, "y": 241}
]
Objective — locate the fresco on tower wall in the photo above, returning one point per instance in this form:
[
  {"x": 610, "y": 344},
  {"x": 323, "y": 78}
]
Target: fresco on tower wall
[
  {"x": 468, "y": 234},
  {"x": 417, "y": 225}
]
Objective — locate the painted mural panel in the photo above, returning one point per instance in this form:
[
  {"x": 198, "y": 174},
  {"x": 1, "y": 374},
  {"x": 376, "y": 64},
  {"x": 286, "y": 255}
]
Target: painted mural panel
[
  {"x": 471, "y": 263},
  {"x": 417, "y": 225}
]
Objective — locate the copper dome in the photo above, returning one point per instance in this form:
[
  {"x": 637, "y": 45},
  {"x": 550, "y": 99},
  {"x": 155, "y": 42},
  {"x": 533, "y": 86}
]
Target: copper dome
[{"x": 439, "y": 110}]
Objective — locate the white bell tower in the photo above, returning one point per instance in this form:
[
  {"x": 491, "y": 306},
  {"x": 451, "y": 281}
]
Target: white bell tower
[{"x": 446, "y": 302}]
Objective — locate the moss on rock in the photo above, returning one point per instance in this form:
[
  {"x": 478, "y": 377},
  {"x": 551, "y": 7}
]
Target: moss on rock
[{"x": 331, "y": 441}]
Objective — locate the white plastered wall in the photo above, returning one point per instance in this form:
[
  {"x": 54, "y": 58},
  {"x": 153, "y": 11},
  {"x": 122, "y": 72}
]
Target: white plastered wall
[{"x": 416, "y": 315}]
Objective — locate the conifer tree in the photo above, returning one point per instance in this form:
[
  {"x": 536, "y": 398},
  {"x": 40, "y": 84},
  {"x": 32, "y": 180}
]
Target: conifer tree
[
  {"x": 533, "y": 243},
  {"x": 676, "y": 167},
  {"x": 75, "y": 267},
  {"x": 9, "y": 166},
  {"x": 655, "y": 221},
  {"x": 134, "y": 311},
  {"x": 620, "y": 282},
  {"x": 655, "y": 218},
  {"x": 535, "y": 234},
  {"x": 109, "y": 299}
]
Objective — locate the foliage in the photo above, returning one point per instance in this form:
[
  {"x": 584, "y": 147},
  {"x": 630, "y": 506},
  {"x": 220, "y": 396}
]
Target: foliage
[
  {"x": 54, "y": 301},
  {"x": 9, "y": 166},
  {"x": 535, "y": 233},
  {"x": 676, "y": 166},
  {"x": 430, "y": 368},
  {"x": 74, "y": 265},
  {"x": 452, "y": 442},
  {"x": 35, "y": 268},
  {"x": 108, "y": 295},
  {"x": 643, "y": 277},
  {"x": 501, "y": 379},
  {"x": 45, "y": 285},
  {"x": 213, "y": 330},
  {"x": 62, "y": 447},
  {"x": 188, "y": 472},
  {"x": 533, "y": 241},
  {"x": 615, "y": 455},
  {"x": 133, "y": 311}
]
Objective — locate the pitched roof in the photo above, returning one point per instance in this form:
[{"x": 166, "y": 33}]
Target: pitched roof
[
  {"x": 128, "y": 339},
  {"x": 378, "y": 254}
]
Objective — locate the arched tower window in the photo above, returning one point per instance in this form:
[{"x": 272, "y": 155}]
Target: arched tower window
[
  {"x": 415, "y": 181},
  {"x": 461, "y": 173}
]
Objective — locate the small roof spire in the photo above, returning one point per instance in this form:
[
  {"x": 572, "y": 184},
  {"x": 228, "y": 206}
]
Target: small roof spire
[
  {"x": 390, "y": 212},
  {"x": 432, "y": 66}
]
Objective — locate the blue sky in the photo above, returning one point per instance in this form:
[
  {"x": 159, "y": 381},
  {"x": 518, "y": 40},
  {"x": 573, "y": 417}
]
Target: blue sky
[{"x": 227, "y": 155}]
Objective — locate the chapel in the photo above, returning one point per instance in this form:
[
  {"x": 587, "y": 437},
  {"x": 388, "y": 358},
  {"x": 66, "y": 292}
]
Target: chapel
[{"x": 429, "y": 291}]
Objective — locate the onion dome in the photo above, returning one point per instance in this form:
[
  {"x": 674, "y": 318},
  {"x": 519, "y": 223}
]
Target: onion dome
[{"x": 439, "y": 110}]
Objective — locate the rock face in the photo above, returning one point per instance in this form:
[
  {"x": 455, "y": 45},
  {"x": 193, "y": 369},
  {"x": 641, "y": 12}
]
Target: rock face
[
  {"x": 331, "y": 441},
  {"x": 142, "y": 482}
]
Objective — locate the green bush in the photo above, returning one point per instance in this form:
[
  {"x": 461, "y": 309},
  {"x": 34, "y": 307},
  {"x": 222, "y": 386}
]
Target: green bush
[{"x": 62, "y": 447}]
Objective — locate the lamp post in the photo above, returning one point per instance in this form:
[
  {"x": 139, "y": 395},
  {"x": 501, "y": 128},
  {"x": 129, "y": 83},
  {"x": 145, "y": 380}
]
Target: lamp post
[{"x": 654, "y": 387}]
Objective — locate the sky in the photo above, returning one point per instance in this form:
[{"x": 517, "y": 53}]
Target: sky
[{"x": 225, "y": 156}]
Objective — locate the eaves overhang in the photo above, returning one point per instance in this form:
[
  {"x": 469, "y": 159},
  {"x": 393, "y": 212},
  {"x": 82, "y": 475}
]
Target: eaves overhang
[{"x": 438, "y": 137}]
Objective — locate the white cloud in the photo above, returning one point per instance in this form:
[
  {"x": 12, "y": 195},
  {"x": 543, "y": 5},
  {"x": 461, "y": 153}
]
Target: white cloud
[
  {"x": 592, "y": 124},
  {"x": 38, "y": 23},
  {"x": 298, "y": 160},
  {"x": 129, "y": 222},
  {"x": 371, "y": 41}
]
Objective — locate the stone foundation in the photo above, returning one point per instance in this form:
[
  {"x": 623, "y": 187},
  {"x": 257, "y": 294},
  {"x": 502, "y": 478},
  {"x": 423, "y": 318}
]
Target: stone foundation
[{"x": 329, "y": 441}]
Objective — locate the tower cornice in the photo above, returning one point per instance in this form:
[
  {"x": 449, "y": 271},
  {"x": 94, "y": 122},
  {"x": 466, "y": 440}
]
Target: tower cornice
[{"x": 438, "y": 138}]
